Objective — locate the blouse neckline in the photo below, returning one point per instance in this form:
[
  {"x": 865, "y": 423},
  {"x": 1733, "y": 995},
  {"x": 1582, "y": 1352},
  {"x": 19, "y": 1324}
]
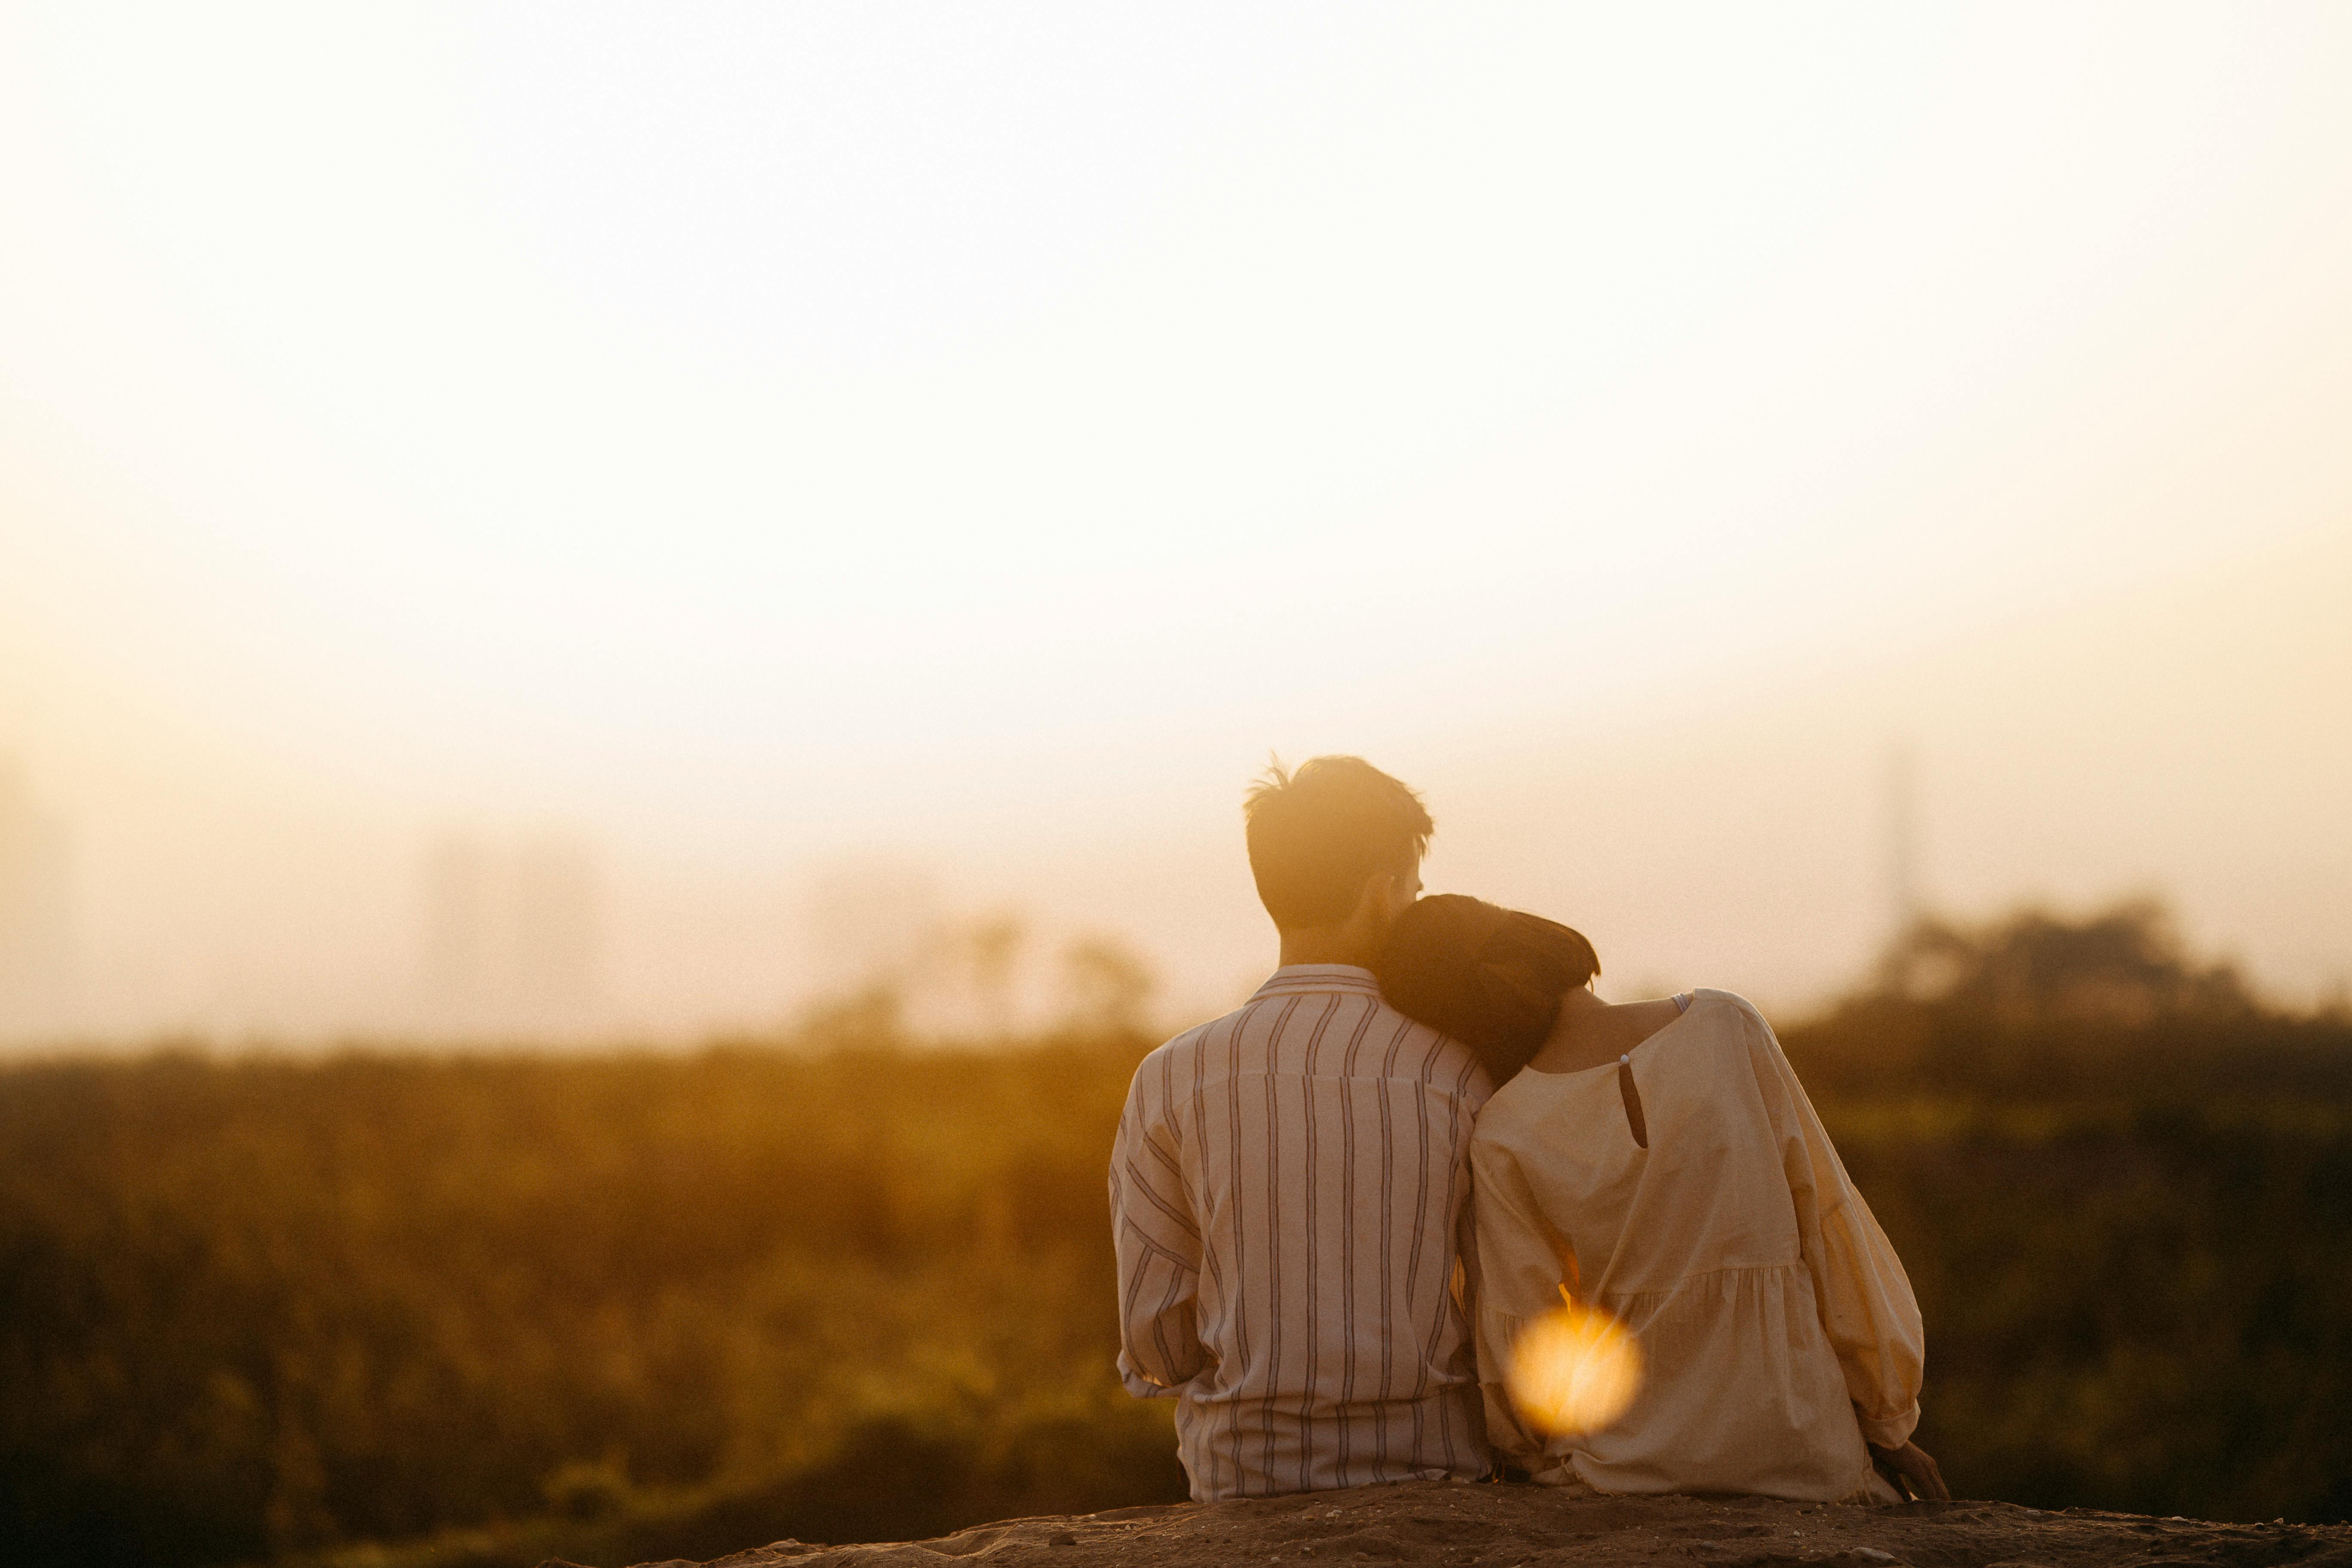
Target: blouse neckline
[{"x": 1683, "y": 1001}]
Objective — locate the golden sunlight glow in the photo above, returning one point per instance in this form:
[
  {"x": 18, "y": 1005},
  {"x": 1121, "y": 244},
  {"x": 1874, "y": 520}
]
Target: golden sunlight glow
[
  {"x": 736, "y": 441},
  {"x": 1574, "y": 1370}
]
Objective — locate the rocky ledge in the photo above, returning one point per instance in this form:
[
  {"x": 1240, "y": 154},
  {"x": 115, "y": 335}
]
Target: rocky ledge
[{"x": 1459, "y": 1526}]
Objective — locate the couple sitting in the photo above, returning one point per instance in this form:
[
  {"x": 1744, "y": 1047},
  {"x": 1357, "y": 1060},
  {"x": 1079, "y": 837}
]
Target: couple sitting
[{"x": 1336, "y": 1209}]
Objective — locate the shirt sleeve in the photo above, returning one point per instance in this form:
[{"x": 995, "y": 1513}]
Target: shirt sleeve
[
  {"x": 1868, "y": 1312},
  {"x": 1158, "y": 1242},
  {"x": 1519, "y": 1274}
]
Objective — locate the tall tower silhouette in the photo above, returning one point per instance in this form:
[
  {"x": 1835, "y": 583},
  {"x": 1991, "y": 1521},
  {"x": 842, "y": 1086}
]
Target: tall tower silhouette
[
  {"x": 1899, "y": 783},
  {"x": 1902, "y": 819}
]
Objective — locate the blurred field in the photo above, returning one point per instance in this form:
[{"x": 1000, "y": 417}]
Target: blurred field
[{"x": 387, "y": 1308}]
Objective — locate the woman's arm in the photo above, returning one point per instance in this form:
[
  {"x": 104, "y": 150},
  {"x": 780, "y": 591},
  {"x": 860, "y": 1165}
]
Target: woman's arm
[{"x": 1867, "y": 1310}]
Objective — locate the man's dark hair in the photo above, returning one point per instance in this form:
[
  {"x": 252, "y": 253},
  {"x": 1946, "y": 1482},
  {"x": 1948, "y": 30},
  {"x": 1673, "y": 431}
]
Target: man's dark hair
[
  {"x": 1318, "y": 834},
  {"x": 1490, "y": 978}
]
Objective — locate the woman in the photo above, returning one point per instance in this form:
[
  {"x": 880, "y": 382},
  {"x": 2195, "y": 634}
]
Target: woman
[{"x": 1661, "y": 1161}]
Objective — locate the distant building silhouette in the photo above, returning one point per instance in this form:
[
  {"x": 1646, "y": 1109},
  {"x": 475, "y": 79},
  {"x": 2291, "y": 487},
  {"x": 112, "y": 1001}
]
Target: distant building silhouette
[
  {"x": 455, "y": 966},
  {"x": 556, "y": 936},
  {"x": 511, "y": 935},
  {"x": 35, "y": 929}
]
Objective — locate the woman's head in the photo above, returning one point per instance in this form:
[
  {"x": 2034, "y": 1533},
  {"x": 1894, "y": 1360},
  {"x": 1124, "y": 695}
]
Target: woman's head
[{"x": 1490, "y": 978}]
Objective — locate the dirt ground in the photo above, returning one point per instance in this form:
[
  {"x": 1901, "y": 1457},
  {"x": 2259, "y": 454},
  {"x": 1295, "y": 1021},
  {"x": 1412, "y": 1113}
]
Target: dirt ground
[{"x": 1458, "y": 1526}]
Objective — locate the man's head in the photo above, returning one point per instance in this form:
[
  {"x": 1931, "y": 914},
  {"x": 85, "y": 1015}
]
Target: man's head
[{"x": 1336, "y": 847}]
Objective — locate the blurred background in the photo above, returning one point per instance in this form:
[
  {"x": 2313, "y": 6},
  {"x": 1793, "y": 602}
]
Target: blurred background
[{"x": 580, "y": 584}]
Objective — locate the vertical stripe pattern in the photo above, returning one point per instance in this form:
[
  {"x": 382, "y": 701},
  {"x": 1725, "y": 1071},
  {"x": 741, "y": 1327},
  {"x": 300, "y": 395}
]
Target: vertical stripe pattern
[{"x": 1289, "y": 1190}]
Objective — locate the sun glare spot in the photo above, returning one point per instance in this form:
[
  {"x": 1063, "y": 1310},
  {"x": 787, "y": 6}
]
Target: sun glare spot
[{"x": 1574, "y": 1370}]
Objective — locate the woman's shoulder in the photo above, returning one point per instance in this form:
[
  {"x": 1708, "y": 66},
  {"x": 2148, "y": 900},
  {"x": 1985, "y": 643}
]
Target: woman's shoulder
[
  {"x": 1721, "y": 1028},
  {"x": 1734, "y": 1031},
  {"x": 1727, "y": 1007}
]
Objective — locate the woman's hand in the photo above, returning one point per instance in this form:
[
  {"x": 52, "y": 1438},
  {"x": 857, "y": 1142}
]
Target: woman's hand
[{"x": 1912, "y": 1468}]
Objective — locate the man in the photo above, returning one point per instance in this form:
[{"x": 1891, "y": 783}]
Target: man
[{"x": 1290, "y": 1184}]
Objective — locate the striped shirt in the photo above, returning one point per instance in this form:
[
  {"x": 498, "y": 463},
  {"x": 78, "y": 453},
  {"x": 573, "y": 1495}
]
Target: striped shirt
[{"x": 1290, "y": 1194}]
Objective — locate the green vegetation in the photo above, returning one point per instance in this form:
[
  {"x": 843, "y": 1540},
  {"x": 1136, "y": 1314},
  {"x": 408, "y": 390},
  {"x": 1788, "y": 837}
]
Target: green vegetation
[
  {"x": 483, "y": 1311},
  {"x": 2122, "y": 1191}
]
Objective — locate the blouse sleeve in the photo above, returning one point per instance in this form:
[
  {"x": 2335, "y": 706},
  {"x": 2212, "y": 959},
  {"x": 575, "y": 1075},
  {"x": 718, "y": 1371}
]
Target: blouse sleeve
[
  {"x": 1518, "y": 1278},
  {"x": 1868, "y": 1312}
]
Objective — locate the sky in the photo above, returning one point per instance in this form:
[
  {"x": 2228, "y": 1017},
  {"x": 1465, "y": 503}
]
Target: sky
[{"x": 830, "y": 474}]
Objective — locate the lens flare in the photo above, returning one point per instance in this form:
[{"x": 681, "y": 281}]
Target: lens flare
[{"x": 1573, "y": 1370}]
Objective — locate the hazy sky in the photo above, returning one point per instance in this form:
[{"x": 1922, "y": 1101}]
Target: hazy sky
[{"x": 774, "y": 445}]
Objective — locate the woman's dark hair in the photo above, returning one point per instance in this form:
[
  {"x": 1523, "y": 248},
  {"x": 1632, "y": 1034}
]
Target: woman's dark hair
[{"x": 1490, "y": 978}]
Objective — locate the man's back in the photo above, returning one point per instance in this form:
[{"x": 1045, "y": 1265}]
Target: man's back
[{"x": 1289, "y": 1193}]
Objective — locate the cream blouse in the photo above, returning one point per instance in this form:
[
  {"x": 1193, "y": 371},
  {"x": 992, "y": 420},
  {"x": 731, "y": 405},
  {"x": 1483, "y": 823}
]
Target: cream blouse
[{"x": 1775, "y": 1324}]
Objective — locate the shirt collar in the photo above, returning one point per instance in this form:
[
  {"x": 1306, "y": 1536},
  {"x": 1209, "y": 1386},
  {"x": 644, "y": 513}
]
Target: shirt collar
[{"x": 1298, "y": 979}]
